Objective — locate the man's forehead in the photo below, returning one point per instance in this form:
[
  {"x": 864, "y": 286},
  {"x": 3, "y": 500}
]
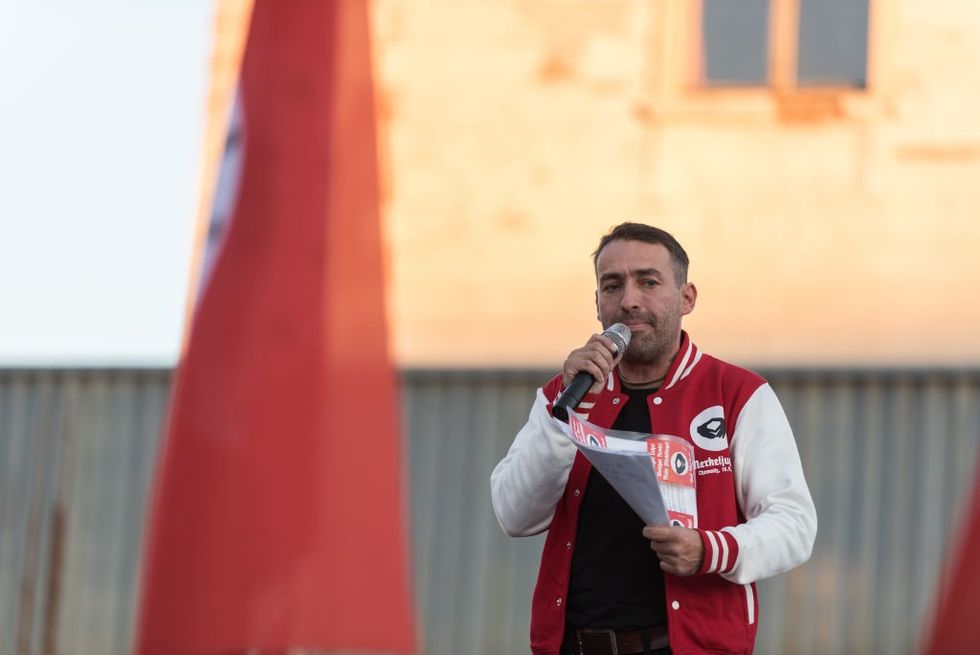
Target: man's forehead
[
  {"x": 631, "y": 272},
  {"x": 629, "y": 257}
]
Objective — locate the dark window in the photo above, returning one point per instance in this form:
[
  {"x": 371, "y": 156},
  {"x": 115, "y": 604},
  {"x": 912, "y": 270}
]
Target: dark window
[
  {"x": 833, "y": 43},
  {"x": 735, "y": 41}
]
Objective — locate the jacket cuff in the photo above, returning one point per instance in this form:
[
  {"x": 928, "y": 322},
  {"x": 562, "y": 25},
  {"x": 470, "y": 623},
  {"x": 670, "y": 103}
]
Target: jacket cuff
[{"x": 720, "y": 551}]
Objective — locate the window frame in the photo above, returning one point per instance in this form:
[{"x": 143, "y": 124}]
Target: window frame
[{"x": 677, "y": 87}]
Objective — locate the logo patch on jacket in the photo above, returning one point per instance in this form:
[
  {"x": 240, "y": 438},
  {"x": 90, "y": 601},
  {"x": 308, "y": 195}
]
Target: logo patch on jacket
[
  {"x": 708, "y": 429},
  {"x": 713, "y": 429}
]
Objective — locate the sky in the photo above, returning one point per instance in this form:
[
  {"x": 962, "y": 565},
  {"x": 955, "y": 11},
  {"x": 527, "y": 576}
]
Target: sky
[{"x": 103, "y": 107}]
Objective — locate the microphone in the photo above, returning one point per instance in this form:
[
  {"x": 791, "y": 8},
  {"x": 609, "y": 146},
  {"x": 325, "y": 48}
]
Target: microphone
[{"x": 620, "y": 335}]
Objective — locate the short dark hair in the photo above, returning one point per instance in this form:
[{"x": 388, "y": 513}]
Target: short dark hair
[{"x": 647, "y": 234}]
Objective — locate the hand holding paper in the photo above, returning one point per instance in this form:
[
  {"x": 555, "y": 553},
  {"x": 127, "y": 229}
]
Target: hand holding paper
[{"x": 680, "y": 549}]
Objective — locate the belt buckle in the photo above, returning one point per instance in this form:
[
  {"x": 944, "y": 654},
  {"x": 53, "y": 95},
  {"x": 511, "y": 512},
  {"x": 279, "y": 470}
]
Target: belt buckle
[{"x": 611, "y": 634}]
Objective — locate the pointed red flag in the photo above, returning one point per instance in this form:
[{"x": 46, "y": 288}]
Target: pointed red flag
[
  {"x": 956, "y": 628},
  {"x": 278, "y": 517}
]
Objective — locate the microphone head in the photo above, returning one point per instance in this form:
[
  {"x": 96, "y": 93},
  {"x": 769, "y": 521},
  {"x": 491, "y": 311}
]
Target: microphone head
[{"x": 620, "y": 335}]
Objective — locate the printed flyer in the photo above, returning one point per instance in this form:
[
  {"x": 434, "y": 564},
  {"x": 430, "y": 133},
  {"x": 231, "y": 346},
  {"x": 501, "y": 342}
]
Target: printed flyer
[{"x": 654, "y": 473}]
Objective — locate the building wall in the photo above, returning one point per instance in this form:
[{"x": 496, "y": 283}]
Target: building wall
[
  {"x": 827, "y": 226},
  {"x": 888, "y": 455},
  {"x": 824, "y": 226}
]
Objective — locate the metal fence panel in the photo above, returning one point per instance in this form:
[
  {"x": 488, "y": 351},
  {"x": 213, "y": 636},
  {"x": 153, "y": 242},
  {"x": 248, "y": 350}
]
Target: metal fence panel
[{"x": 888, "y": 455}]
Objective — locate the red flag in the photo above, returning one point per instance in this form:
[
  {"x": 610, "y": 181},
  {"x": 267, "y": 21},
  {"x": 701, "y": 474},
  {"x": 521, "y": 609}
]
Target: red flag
[
  {"x": 956, "y": 629},
  {"x": 278, "y": 518}
]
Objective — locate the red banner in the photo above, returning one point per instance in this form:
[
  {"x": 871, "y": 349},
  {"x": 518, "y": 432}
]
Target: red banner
[
  {"x": 956, "y": 628},
  {"x": 278, "y": 518}
]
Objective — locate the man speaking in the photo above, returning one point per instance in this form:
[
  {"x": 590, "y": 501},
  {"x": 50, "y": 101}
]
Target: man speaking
[{"x": 607, "y": 583}]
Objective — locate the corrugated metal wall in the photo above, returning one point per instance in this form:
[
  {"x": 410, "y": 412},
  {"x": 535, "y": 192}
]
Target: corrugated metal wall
[
  {"x": 76, "y": 457},
  {"x": 888, "y": 455}
]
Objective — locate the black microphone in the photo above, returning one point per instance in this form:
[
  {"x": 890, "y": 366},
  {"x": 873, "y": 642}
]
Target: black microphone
[{"x": 620, "y": 335}]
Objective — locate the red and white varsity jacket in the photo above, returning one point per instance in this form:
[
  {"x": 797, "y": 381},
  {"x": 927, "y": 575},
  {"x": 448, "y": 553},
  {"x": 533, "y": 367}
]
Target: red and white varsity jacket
[{"x": 755, "y": 514}]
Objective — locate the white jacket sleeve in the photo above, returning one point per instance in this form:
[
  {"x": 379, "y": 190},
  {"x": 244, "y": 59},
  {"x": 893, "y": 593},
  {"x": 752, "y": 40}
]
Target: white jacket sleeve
[
  {"x": 526, "y": 485},
  {"x": 781, "y": 521}
]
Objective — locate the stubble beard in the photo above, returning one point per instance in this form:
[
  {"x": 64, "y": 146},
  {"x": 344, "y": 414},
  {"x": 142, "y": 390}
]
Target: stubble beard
[{"x": 654, "y": 346}]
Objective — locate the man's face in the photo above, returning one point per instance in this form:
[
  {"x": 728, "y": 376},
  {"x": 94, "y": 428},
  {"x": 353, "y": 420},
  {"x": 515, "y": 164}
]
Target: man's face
[{"x": 636, "y": 286}]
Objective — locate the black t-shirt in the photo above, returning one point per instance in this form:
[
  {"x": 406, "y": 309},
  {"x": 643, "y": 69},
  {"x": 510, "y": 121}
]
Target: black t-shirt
[{"x": 616, "y": 582}]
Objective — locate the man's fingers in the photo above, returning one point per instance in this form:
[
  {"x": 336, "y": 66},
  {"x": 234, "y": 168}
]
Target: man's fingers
[
  {"x": 599, "y": 356},
  {"x": 593, "y": 358},
  {"x": 665, "y": 547},
  {"x": 659, "y": 533},
  {"x": 610, "y": 347},
  {"x": 668, "y": 553},
  {"x": 668, "y": 563},
  {"x": 679, "y": 549},
  {"x": 589, "y": 366},
  {"x": 601, "y": 344}
]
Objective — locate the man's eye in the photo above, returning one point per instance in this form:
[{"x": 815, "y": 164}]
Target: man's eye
[
  {"x": 649, "y": 283},
  {"x": 609, "y": 288}
]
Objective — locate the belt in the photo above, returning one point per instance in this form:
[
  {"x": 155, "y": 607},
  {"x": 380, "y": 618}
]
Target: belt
[{"x": 609, "y": 642}]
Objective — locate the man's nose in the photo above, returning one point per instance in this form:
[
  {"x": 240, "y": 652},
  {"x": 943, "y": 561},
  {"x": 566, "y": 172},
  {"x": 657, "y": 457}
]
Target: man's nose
[{"x": 631, "y": 295}]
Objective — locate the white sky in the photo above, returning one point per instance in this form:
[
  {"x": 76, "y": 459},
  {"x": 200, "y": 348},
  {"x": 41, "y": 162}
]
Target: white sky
[{"x": 101, "y": 116}]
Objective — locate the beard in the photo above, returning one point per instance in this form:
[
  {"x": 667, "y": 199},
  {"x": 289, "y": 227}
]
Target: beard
[{"x": 652, "y": 346}]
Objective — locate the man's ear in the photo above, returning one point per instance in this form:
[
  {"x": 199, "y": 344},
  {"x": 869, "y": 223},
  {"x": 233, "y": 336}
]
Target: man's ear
[
  {"x": 689, "y": 295},
  {"x": 597, "y": 317}
]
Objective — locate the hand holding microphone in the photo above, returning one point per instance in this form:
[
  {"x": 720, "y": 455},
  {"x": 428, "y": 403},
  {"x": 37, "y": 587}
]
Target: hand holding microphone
[{"x": 589, "y": 365}]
